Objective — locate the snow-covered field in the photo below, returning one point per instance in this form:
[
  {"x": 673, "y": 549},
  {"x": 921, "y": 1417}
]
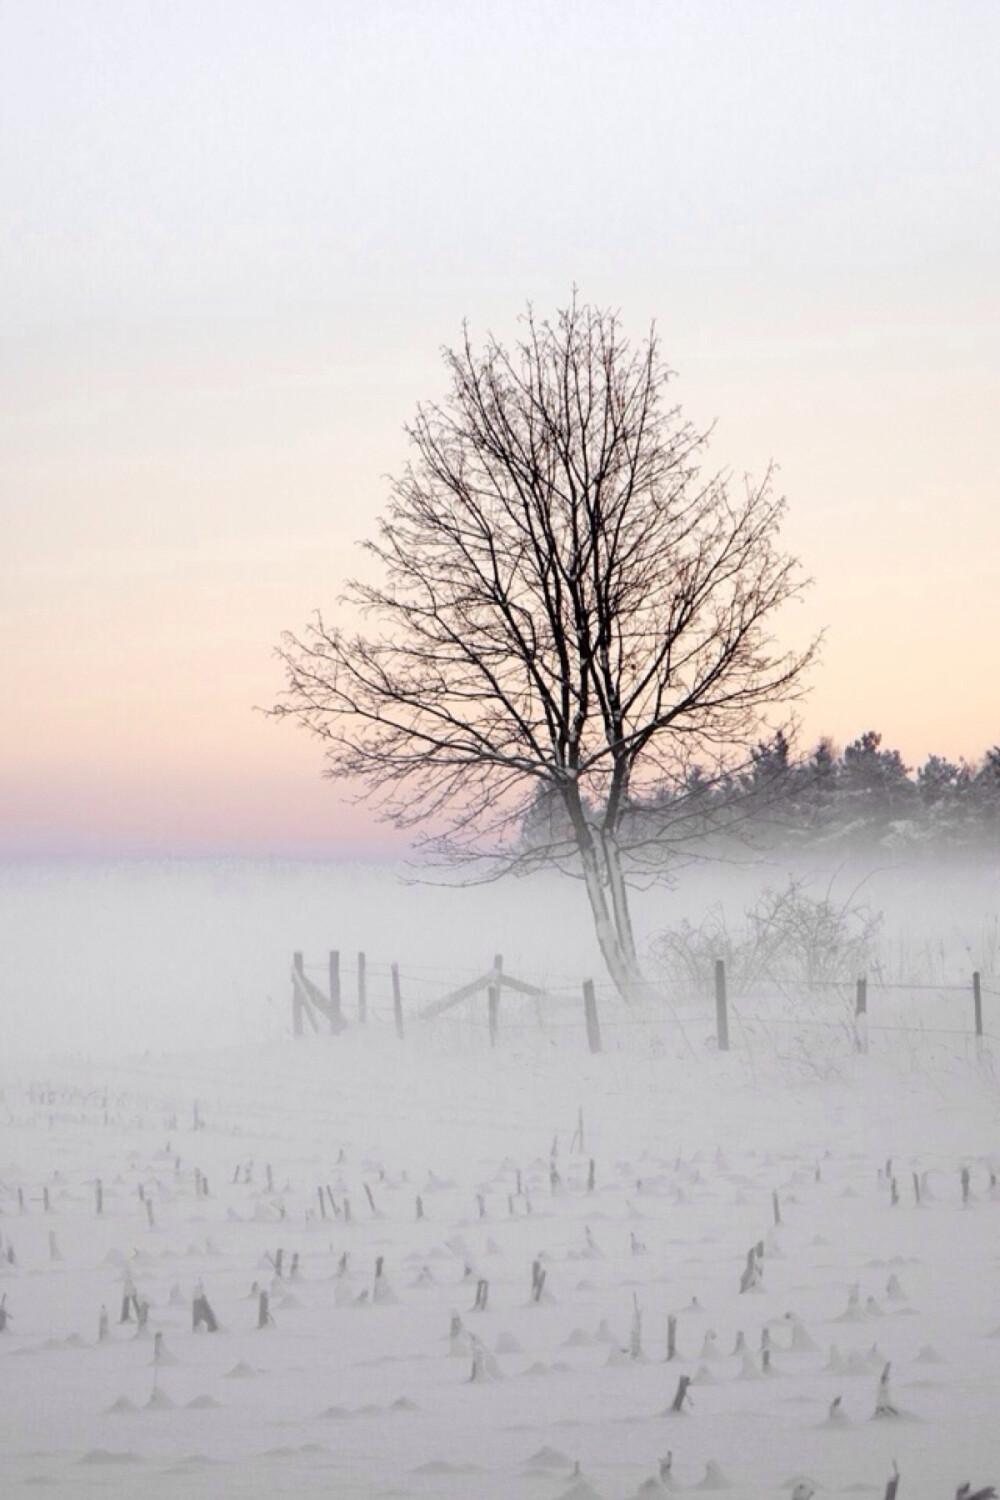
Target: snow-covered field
[{"x": 360, "y": 1386}]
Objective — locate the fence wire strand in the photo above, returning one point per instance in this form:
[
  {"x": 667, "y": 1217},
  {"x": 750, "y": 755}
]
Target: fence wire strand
[{"x": 773, "y": 1013}]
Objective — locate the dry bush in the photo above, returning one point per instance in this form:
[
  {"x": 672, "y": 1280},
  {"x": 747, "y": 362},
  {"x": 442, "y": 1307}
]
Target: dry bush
[{"x": 787, "y": 941}]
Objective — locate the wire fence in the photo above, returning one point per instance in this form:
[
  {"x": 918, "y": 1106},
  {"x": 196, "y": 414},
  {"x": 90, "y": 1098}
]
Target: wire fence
[{"x": 814, "y": 1021}]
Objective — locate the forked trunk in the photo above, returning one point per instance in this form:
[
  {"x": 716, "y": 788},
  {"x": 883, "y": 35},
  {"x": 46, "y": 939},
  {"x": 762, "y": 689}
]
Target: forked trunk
[
  {"x": 619, "y": 899},
  {"x": 618, "y": 955},
  {"x": 608, "y": 897}
]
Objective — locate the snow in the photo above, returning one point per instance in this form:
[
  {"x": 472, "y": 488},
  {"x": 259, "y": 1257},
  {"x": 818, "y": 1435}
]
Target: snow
[
  {"x": 146, "y": 1049},
  {"x": 359, "y": 1388}
]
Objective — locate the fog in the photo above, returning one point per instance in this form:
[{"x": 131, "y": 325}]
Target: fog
[
  {"x": 113, "y": 957},
  {"x": 450, "y": 1267}
]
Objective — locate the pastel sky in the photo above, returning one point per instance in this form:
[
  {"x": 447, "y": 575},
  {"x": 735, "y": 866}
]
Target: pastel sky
[{"x": 235, "y": 235}]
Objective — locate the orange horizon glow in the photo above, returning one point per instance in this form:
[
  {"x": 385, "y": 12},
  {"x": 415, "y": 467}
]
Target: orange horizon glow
[
  {"x": 254, "y": 809},
  {"x": 231, "y": 258}
]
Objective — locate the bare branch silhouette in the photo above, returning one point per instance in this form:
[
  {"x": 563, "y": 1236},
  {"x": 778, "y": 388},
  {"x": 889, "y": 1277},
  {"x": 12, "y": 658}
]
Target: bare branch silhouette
[{"x": 566, "y": 605}]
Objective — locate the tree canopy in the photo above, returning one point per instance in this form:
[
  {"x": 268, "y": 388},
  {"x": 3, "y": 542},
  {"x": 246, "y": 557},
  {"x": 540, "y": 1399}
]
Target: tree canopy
[{"x": 564, "y": 602}]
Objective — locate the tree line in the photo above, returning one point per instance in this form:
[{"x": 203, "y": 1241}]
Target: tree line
[{"x": 864, "y": 797}]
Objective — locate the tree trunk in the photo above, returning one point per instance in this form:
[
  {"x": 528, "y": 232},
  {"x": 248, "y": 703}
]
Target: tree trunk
[
  {"x": 618, "y": 958},
  {"x": 603, "y": 876},
  {"x": 619, "y": 898}
]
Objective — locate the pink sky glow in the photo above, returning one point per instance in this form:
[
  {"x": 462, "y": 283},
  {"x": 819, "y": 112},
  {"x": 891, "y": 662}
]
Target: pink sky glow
[{"x": 235, "y": 237}]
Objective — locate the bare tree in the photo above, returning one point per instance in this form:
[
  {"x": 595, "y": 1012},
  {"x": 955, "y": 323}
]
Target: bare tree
[{"x": 563, "y": 604}]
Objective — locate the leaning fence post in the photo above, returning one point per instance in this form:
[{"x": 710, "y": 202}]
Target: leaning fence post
[
  {"x": 336, "y": 1019},
  {"x": 721, "y": 1006},
  {"x": 977, "y": 1002},
  {"x": 362, "y": 990},
  {"x": 296, "y": 996},
  {"x": 397, "y": 1001},
  {"x": 590, "y": 1012},
  {"x": 494, "y": 997},
  {"x": 861, "y": 1016}
]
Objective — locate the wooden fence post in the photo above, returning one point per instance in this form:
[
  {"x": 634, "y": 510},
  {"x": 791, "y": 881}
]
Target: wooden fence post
[
  {"x": 362, "y": 990},
  {"x": 861, "y": 1016},
  {"x": 336, "y": 1018},
  {"x": 397, "y": 1001},
  {"x": 296, "y": 997},
  {"x": 721, "y": 1006},
  {"x": 977, "y": 1002},
  {"x": 590, "y": 1012},
  {"x": 494, "y": 998}
]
